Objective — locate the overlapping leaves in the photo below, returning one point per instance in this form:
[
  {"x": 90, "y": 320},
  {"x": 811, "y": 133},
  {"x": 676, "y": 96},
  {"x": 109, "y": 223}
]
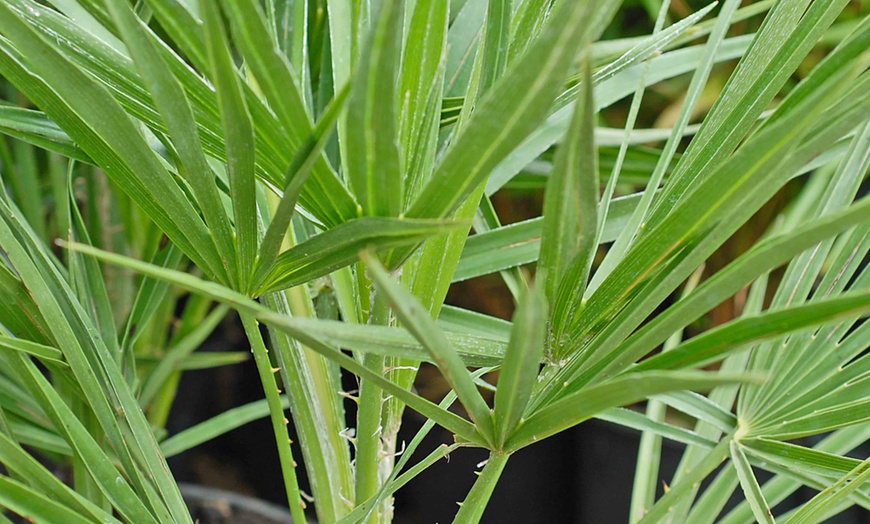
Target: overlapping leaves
[{"x": 200, "y": 130}]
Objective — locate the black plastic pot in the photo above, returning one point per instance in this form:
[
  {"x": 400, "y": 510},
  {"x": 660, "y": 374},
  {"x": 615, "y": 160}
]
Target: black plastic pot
[
  {"x": 583, "y": 475},
  {"x": 217, "y": 506}
]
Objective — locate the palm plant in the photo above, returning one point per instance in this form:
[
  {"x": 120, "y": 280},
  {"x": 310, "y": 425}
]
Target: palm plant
[{"x": 388, "y": 125}]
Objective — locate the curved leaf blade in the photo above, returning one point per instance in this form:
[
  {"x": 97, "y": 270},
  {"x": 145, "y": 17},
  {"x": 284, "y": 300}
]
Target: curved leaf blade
[
  {"x": 340, "y": 246},
  {"x": 716, "y": 342},
  {"x": 585, "y": 404}
]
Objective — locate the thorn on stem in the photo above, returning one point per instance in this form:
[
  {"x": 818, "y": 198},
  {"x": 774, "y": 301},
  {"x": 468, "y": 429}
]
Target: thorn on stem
[{"x": 348, "y": 395}]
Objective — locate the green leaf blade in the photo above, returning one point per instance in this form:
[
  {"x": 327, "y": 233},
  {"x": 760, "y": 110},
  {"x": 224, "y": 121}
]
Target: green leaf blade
[
  {"x": 216, "y": 426},
  {"x": 373, "y": 163},
  {"x": 521, "y": 362},
  {"x": 95, "y": 121},
  {"x": 417, "y": 320},
  {"x": 27, "y": 501},
  {"x": 461, "y": 427},
  {"x": 560, "y": 232},
  {"x": 297, "y": 175},
  {"x": 35, "y": 128},
  {"x": 340, "y": 246},
  {"x": 582, "y": 405},
  {"x": 830, "y": 497},
  {"x": 421, "y": 84},
  {"x": 751, "y": 488},
  {"x": 39, "y": 351},
  {"x": 495, "y": 43},
  {"x": 173, "y": 105},
  {"x": 716, "y": 342},
  {"x": 18, "y": 461},
  {"x": 569, "y": 272},
  {"x": 239, "y": 137},
  {"x": 515, "y": 106}
]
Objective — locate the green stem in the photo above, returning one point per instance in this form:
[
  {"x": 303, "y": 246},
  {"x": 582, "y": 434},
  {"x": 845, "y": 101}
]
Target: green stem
[
  {"x": 368, "y": 432},
  {"x": 472, "y": 508},
  {"x": 276, "y": 414},
  {"x": 646, "y": 470},
  {"x": 369, "y": 429},
  {"x": 312, "y": 384}
]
